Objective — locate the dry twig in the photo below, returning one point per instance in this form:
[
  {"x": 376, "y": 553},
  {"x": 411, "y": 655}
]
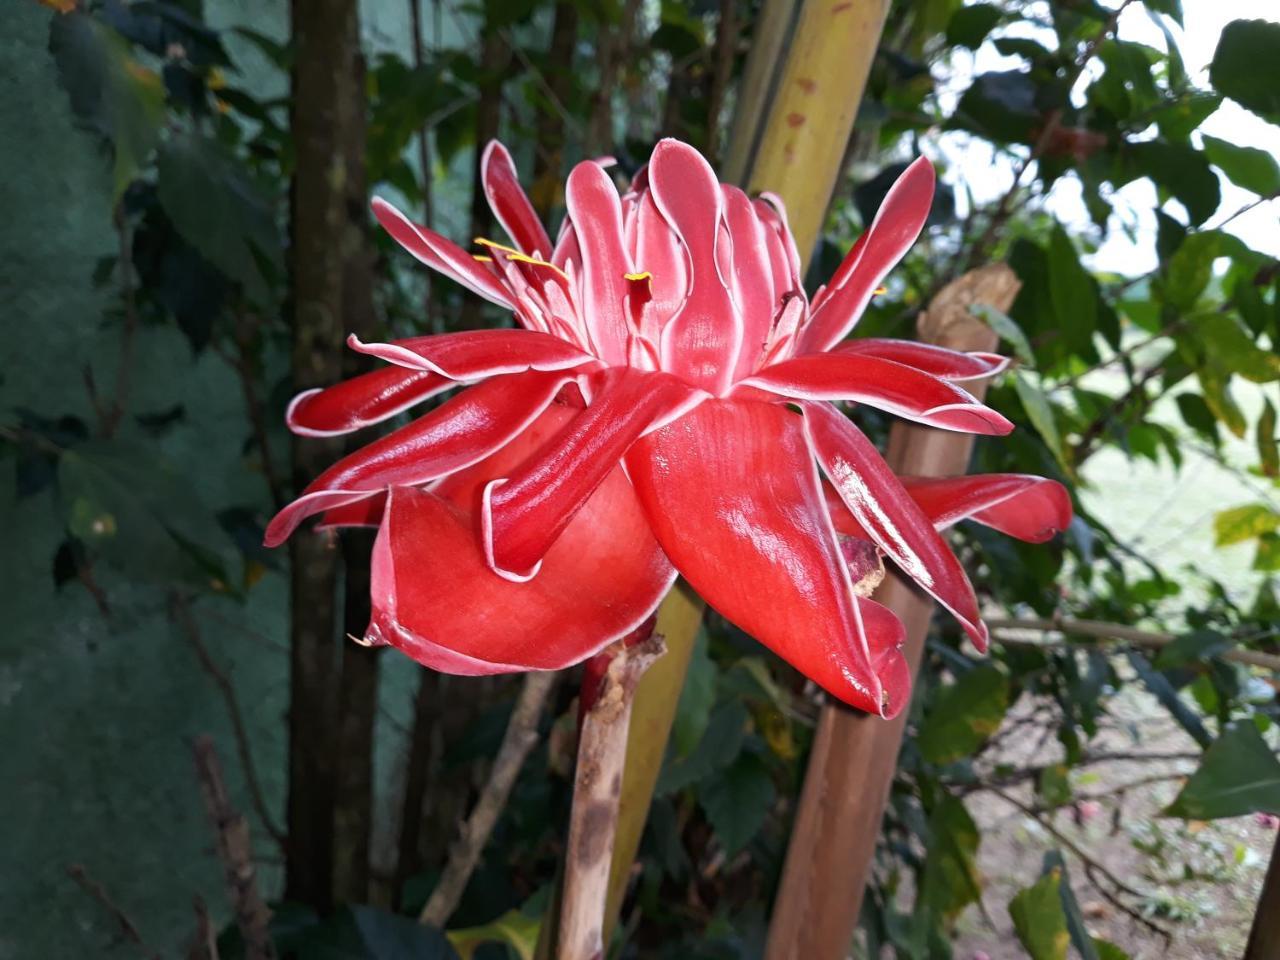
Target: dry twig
[
  {"x": 519, "y": 740},
  {"x": 236, "y": 854},
  {"x": 128, "y": 929}
]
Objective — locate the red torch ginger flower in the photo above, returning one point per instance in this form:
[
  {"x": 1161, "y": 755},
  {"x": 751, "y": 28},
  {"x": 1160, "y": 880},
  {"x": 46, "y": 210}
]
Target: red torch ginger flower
[{"x": 666, "y": 405}]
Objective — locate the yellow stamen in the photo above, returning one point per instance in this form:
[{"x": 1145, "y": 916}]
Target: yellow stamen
[
  {"x": 646, "y": 275},
  {"x": 879, "y": 291},
  {"x": 494, "y": 245},
  {"x": 525, "y": 258},
  {"x": 481, "y": 259}
]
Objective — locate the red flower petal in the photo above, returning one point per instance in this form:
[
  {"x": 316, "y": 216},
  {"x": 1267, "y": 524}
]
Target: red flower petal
[
  {"x": 441, "y": 254},
  {"x": 732, "y": 494},
  {"x": 596, "y": 211},
  {"x": 939, "y": 361},
  {"x": 896, "y": 225},
  {"x": 456, "y": 434},
  {"x": 1027, "y": 507},
  {"x": 883, "y": 384},
  {"x": 367, "y": 399},
  {"x": 886, "y": 511},
  {"x": 751, "y": 278},
  {"x": 476, "y": 354},
  {"x": 700, "y": 343},
  {"x": 510, "y": 204},
  {"x": 1022, "y": 506},
  {"x": 435, "y": 598},
  {"x": 526, "y": 511}
]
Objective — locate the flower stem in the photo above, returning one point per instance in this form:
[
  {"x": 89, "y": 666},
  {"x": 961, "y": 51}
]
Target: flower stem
[{"x": 602, "y": 752}]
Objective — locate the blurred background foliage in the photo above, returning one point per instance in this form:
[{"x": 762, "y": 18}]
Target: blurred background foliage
[{"x": 148, "y": 267}]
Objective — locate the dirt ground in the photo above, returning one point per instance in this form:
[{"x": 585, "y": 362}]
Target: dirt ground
[{"x": 1200, "y": 882}]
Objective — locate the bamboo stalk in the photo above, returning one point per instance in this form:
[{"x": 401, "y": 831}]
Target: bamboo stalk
[
  {"x": 813, "y": 111},
  {"x": 854, "y": 754},
  {"x": 756, "y": 87},
  {"x": 1264, "y": 938}
]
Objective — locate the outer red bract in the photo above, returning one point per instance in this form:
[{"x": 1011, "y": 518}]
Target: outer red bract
[{"x": 665, "y": 405}]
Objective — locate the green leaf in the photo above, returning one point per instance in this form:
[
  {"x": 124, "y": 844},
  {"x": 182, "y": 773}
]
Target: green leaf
[
  {"x": 1238, "y": 774},
  {"x": 718, "y": 747},
  {"x": 964, "y": 714},
  {"x": 1183, "y": 171},
  {"x": 737, "y": 801},
  {"x": 1180, "y": 119},
  {"x": 111, "y": 93},
  {"x": 1167, "y": 694},
  {"x": 1040, "y": 413},
  {"x": 222, "y": 214},
  {"x": 513, "y": 929},
  {"x": 1172, "y": 7},
  {"x": 1190, "y": 268},
  {"x": 1071, "y": 289},
  {"x": 1197, "y": 415},
  {"x": 1243, "y": 523},
  {"x": 1217, "y": 394},
  {"x": 1246, "y": 167},
  {"x": 1267, "y": 558},
  {"x": 1039, "y": 919},
  {"x": 1234, "y": 349},
  {"x": 697, "y": 697},
  {"x": 1197, "y": 646},
  {"x": 950, "y": 880},
  {"x": 1053, "y": 786},
  {"x": 1106, "y": 950},
  {"x": 969, "y": 26},
  {"x": 1000, "y": 106},
  {"x": 1267, "y": 439},
  {"x": 1246, "y": 65},
  {"x": 1076, "y": 927},
  {"x": 1008, "y": 330}
]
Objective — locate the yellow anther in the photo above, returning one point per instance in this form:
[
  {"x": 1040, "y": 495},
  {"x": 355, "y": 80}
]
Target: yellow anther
[
  {"x": 481, "y": 258},
  {"x": 494, "y": 245},
  {"x": 638, "y": 276},
  {"x": 534, "y": 261},
  {"x": 879, "y": 291}
]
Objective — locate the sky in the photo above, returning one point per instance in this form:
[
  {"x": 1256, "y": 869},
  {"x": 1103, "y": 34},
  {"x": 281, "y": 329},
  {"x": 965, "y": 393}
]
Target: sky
[{"x": 987, "y": 176}]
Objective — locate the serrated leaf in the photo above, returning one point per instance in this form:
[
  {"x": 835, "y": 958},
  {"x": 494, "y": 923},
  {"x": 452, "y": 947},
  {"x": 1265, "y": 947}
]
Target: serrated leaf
[
  {"x": 1008, "y": 330},
  {"x": 737, "y": 801},
  {"x": 1238, "y": 774},
  {"x": 1039, "y": 919},
  {"x": 964, "y": 714},
  {"x": 1246, "y": 167},
  {"x": 1246, "y": 522},
  {"x": 1246, "y": 65}
]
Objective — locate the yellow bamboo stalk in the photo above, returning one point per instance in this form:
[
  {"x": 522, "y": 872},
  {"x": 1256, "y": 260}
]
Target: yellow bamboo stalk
[
  {"x": 813, "y": 111},
  {"x": 825, "y": 73}
]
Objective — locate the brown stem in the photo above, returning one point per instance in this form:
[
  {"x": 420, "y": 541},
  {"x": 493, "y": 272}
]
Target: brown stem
[
  {"x": 602, "y": 750},
  {"x": 180, "y": 613},
  {"x": 236, "y": 853},
  {"x": 517, "y": 743},
  {"x": 204, "y": 945},
  {"x": 128, "y": 929},
  {"x": 1121, "y": 633},
  {"x": 726, "y": 48}
]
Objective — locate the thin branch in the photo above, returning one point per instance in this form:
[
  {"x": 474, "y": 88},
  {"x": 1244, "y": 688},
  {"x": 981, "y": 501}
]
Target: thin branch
[
  {"x": 180, "y": 612},
  {"x": 1133, "y": 348},
  {"x": 1121, "y": 633},
  {"x": 128, "y": 929},
  {"x": 593, "y": 822},
  {"x": 519, "y": 740},
  {"x": 1005, "y": 206},
  {"x": 236, "y": 854},
  {"x": 115, "y": 411},
  {"x": 239, "y": 361},
  {"x": 204, "y": 945},
  {"x": 1092, "y": 868}
]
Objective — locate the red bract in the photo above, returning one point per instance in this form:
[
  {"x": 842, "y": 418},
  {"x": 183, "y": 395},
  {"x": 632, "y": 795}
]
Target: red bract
[{"x": 666, "y": 405}]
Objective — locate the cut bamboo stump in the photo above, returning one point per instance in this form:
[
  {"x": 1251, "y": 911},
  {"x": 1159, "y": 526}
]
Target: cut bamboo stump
[{"x": 854, "y": 754}]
